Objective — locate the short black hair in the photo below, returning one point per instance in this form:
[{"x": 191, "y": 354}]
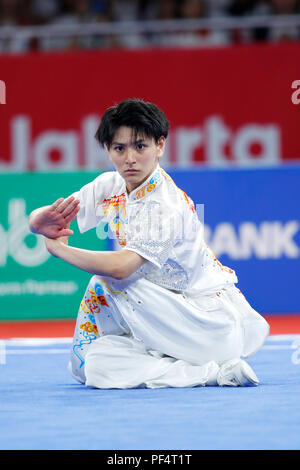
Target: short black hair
[{"x": 144, "y": 118}]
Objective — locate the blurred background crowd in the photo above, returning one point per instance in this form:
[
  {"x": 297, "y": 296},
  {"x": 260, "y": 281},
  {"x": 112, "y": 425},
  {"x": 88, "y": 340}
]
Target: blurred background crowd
[{"x": 78, "y": 12}]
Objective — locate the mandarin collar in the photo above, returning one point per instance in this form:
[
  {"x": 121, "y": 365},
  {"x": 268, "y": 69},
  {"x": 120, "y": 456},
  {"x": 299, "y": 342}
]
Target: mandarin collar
[{"x": 146, "y": 188}]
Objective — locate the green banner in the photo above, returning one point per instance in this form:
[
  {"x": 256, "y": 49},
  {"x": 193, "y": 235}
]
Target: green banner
[{"x": 33, "y": 284}]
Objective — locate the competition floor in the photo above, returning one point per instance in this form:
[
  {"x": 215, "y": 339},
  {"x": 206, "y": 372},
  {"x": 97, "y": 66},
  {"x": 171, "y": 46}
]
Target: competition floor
[{"x": 43, "y": 408}]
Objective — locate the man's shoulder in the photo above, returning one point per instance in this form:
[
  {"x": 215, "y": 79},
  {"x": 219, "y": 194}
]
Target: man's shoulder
[
  {"x": 175, "y": 194},
  {"x": 107, "y": 177},
  {"x": 109, "y": 183}
]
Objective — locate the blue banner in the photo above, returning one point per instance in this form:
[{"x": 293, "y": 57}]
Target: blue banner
[{"x": 252, "y": 223}]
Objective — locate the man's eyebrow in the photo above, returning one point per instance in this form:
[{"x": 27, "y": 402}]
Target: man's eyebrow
[{"x": 139, "y": 141}]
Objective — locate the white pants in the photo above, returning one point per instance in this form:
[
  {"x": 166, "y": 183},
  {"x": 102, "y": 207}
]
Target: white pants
[{"x": 133, "y": 333}]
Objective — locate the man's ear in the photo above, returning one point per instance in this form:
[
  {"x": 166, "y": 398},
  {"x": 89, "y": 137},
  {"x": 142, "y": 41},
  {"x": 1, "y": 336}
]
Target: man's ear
[{"x": 161, "y": 146}]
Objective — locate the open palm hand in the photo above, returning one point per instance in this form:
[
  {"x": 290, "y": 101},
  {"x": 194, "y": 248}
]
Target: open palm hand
[{"x": 52, "y": 221}]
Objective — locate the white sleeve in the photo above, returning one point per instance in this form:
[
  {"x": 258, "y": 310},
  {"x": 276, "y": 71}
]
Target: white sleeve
[
  {"x": 90, "y": 196},
  {"x": 152, "y": 232}
]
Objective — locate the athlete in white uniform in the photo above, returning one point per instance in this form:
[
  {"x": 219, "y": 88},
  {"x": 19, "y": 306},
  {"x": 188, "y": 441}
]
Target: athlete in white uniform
[{"x": 162, "y": 311}]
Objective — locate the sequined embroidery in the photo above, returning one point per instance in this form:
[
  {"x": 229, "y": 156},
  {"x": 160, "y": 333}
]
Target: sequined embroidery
[{"x": 170, "y": 276}]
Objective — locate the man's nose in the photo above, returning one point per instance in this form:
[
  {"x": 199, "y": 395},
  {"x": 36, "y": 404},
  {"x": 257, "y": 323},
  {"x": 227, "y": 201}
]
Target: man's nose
[{"x": 130, "y": 155}]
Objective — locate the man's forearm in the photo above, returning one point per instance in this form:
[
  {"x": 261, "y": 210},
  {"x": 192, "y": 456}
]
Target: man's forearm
[{"x": 105, "y": 263}]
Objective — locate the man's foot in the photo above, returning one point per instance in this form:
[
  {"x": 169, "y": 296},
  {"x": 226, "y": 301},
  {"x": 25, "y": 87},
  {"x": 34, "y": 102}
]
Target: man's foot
[
  {"x": 212, "y": 373},
  {"x": 236, "y": 372}
]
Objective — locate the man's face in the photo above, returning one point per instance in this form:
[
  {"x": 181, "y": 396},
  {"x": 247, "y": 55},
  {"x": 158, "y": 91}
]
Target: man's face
[{"x": 134, "y": 158}]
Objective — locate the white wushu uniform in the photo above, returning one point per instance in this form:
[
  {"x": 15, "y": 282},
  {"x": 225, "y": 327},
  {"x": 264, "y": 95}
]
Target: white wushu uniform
[{"x": 179, "y": 317}]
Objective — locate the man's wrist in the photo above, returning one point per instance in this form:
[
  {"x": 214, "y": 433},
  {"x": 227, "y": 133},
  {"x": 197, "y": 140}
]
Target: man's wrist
[{"x": 54, "y": 246}]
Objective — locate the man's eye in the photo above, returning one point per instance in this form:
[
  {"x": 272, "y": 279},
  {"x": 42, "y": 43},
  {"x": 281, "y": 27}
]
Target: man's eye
[
  {"x": 140, "y": 146},
  {"x": 119, "y": 148}
]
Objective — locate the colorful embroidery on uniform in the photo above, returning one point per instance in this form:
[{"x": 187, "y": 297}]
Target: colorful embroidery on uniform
[
  {"x": 188, "y": 200},
  {"x": 149, "y": 186},
  {"x": 113, "y": 291},
  {"x": 92, "y": 318},
  {"x": 92, "y": 304},
  {"x": 84, "y": 307},
  {"x": 114, "y": 201},
  {"x": 219, "y": 264},
  {"x": 89, "y": 327},
  {"x": 99, "y": 289},
  {"x": 115, "y": 210},
  {"x": 88, "y": 338},
  {"x": 98, "y": 299}
]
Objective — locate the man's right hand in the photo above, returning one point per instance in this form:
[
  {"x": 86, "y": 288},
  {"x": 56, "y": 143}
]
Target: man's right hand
[{"x": 52, "y": 221}]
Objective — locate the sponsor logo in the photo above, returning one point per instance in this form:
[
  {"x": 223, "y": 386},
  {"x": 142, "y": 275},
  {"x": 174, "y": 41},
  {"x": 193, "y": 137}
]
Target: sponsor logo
[
  {"x": 251, "y": 144},
  {"x": 14, "y": 241},
  {"x": 268, "y": 240}
]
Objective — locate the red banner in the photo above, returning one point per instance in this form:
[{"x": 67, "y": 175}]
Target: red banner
[{"x": 227, "y": 106}]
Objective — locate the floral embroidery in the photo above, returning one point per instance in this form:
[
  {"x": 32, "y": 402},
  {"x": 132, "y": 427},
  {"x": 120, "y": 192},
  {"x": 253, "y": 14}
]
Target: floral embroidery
[
  {"x": 97, "y": 299},
  {"x": 115, "y": 210},
  {"x": 149, "y": 186},
  {"x": 90, "y": 305},
  {"x": 114, "y": 201},
  {"x": 89, "y": 327}
]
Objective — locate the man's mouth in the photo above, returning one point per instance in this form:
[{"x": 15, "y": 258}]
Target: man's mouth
[{"x": 131, "y": 171}]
